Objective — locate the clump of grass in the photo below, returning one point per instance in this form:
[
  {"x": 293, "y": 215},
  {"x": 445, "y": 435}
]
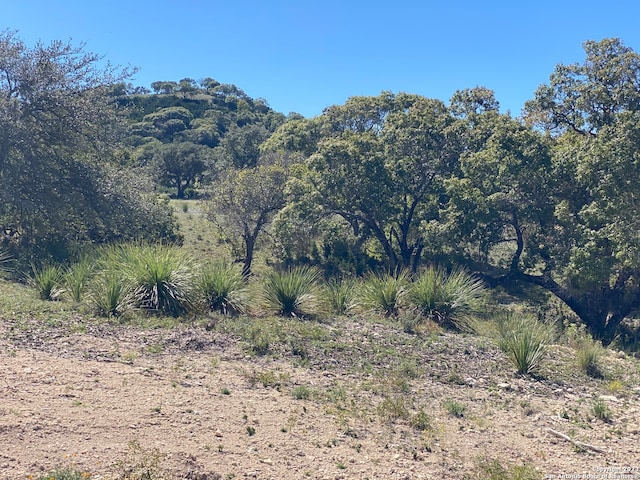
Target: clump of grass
[
  {"x": 294, "y": 292},
  {"x": 260, "y": 337},
  {"x": 524, "y": 339},
  {"x": 384, "y": 294},
  {"x": 65, "y": 474},
  {"x": 454, "y": 408},
  {"x": 588, "y": 355},
  {"x": 223, "y": 288},
  {"x": 301, "y": 392},
  {"x": 161, "y": 277},
  {"x": 450, "y": 300},
  {"x": 601, "y": 410},
  {"x": 339, "y": 296},
  {"x": 77, "y": 277},
  {"x": 421, "y": 421},
  {"x": 393, "y": 408},
  {"x": 47, "y": 280},
  {"x": 492, "y": 469}
]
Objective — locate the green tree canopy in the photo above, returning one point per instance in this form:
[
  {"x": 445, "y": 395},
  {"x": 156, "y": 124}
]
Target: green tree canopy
[
  {"x": 181, "y": 165},
  {"x": 244, "y": 203},
  {"x": 58, "y": 135},
  {"x": 379, "y": 165},
  {"x": 557, "y": 206}
]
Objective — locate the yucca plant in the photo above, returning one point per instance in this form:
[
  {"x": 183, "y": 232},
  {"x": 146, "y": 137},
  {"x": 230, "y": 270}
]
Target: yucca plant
[
  {"x": 339, "y": 296},
  {"x": 161, "y": 276},
  {"x": 47, "y": 281},
  {"x": 77, "y": 277},
  {"x": 449, "y": 300},
  {"x": 384, "y": 293},
  {"x": 222, "y": 288},
  {"x": 293, "y": 292},
  {"x": 110, "y": 293},
  {"x": 524, "y": 339},
  {"x": 5, "y": 263}
]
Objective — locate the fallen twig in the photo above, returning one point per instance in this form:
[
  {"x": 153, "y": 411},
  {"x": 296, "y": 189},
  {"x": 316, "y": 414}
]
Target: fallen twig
[{"x": 575, "y": 442}]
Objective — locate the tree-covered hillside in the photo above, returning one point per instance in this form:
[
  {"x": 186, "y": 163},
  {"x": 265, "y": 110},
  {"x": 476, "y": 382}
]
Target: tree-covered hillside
[{"x": 186, "y": 132}]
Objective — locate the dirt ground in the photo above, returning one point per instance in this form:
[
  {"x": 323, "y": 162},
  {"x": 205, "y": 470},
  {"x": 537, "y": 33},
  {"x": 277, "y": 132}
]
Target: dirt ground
[{"x": 192, "y": 404}]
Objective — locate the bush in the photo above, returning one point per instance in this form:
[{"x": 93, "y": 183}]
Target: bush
[
  {"x": 293, "y": 292},
  {"x": 524, "y": 339},
  {"x": 449, "y": 300},
  {"x": 222, "y": 288},
  {"x": 48, "y": 281},
  {"x": 384, "y": 294}
]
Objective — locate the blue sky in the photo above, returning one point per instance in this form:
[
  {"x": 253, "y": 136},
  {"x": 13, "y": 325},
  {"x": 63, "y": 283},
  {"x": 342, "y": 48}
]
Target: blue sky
[{"x": 304, "y": 56}]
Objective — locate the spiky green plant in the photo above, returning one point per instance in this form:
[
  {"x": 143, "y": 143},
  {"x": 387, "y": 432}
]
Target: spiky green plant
[
  {"x": 450, "y": 300},
  {"x": 222, "y": 288},
  {"x": 162, "y": 278},
  {"x": 339, "y": 296},
  {"x": 524, "y": 339},
  {"x": 5, "y": 263},
  {"x": 47, "y": 280},
  {"x": 110, "y": 293},
  {"x": 293, "y": 292},
  {"x": 77, "y": 277},
  {"x": 384, "y": 293}
]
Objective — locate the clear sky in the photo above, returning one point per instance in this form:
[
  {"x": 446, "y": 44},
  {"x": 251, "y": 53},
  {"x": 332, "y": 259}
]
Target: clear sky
[{"x": 303, "y": 56}]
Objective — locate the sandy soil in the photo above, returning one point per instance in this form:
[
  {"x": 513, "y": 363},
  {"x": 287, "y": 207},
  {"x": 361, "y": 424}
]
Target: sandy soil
[{"x": 191, "y": 404}]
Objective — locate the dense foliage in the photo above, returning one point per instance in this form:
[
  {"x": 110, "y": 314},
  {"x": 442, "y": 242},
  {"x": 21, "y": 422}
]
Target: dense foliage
[
  {"x": 58, "y": 143},
  {"x": 394, "y": 183}
]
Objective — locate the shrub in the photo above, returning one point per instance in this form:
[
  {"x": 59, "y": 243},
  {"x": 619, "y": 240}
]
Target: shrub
[
  {"x": 293, "y": 292},
  {"x": 48, "y": 281},
  {"x": 450, "y": 300},
  {"x": 223, "y": 288},
  {"x": 524, "y": 339},
  {"x": 384, "y": 293}
]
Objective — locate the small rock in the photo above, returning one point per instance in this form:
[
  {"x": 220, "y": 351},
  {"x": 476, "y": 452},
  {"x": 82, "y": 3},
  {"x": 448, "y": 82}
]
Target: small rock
[
  {"x": 268, "y": 461},
  {"x": 504, "y": 386},
  {"x": 218, "y": 433}
]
